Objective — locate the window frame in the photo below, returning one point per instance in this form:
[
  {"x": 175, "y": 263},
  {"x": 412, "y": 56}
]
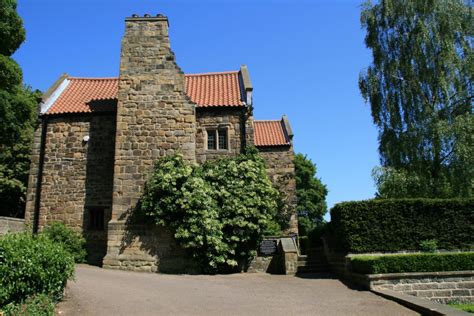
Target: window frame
[{"x": 217, "y": 131}]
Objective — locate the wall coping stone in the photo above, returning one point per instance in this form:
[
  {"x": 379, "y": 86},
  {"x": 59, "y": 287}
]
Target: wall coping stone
[
  {"x": 12, "y": 219},
  {"x": 288, "y": 245},
  {"x": 389, "y": 276}
]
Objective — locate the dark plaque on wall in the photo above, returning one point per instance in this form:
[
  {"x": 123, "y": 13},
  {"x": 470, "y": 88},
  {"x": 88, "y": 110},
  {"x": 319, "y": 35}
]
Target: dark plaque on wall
[{"x": 268, "y": 247}]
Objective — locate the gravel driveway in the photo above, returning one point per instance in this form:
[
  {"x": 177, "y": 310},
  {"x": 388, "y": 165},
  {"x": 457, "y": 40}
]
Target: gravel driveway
[{"x": 99, "y": 291}]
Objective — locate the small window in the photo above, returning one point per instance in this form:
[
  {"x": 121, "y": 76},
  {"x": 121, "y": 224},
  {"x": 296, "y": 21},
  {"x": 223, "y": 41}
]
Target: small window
[
  {"x": 96, "y": 218},
  {"x": 222, "y": 138},
  {"x": 211, "y": 140},
  {"x": 217, "y": 139}
]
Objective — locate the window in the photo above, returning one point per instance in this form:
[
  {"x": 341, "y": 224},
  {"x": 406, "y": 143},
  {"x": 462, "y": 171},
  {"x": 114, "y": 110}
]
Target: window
[
  {"x": 211, "y": 140},
  {"x": 217, "y": 139},
  {"x": 222, "y": 138},
  {"x": 96, "y": 218}
]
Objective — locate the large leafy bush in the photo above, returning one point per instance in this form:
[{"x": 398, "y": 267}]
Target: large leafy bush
[
  {"x": 31, "y": 265},
  {"x": 421, "y": 262},
  {"x": 401, "y": 224},
  {"x": 219, "y": 211},
  {"x": 71, "y": 241}
]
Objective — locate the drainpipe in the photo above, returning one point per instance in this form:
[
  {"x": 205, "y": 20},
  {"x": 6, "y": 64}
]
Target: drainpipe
[{"x": 39, "y": 180}]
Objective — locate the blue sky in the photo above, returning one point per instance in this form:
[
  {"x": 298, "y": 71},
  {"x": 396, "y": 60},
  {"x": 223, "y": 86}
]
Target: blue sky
[{"x": 304, "y": 59}]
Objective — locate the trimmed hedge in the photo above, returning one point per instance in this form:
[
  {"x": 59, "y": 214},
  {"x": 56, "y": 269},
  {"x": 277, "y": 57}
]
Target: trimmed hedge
[
  {"x": 401, "y": 224},
  {"x": 423, "y": 262},
  {"x": 31, "y": 265}
]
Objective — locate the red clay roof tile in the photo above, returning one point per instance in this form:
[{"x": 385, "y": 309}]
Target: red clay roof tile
[
  {"x": 270, "y": 133},
  {"x": 214, "y": 89},
  {"x": 85, "y": 95}
]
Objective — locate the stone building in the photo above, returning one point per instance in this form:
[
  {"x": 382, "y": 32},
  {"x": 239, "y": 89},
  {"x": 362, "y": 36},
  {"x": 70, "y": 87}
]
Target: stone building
[{"x": 99, "y": 138}]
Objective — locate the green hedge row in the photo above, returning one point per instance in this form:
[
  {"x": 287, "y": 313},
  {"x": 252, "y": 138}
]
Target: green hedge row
[
  {"x": 423, "y": 262},
  {"x": 401, "y": 224}
]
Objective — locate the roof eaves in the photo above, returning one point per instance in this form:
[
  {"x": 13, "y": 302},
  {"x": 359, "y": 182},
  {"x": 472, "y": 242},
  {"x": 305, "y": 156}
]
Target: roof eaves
[{"x": 53, "y": 93}]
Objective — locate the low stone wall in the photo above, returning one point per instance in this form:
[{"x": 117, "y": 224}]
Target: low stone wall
[
  {"x": 268, "y": 264},
  {"x": 441, "y": 287},
  {"x": 11, "y": 225}
]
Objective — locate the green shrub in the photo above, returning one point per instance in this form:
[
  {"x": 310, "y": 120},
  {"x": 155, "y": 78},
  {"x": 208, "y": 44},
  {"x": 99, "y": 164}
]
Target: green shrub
[
  {"x": 31, "y": 265},
  {"x": 219, "y": 211},
  {"x": 69, "y": 239},
  {"x": 38, "y": 305},
  {"x": 422, "y": 262},
  {"x": 429, "y": 245},
  {"x": 397, "y": 225}
]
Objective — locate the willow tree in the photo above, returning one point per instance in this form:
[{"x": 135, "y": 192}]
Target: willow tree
[{"x": 419, "y": 87}]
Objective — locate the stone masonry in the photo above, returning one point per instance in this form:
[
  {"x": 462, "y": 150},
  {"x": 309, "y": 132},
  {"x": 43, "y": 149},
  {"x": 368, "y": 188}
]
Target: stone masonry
[
  {"x": 233, "y": 120},
  {"x": 281, "y": 170},
  {"x": 11, "y": 225},
  {"x": 155, "y": 117},
  {"x": 442, "y": 287},
  {"x": 77, "y": 175}
]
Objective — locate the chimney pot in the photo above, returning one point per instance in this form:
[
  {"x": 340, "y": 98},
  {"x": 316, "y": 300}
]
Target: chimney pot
[
  {"x": 159, "y": 15},
  {"x": 134, "y": 15},
  {"x": 147, "y": 15}
]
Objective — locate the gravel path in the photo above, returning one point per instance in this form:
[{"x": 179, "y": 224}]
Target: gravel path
[{"x": 108, "y": 292}]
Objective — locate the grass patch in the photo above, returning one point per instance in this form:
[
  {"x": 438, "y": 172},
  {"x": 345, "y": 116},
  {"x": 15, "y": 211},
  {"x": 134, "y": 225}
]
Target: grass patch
[{"x": 467, "y": 307}]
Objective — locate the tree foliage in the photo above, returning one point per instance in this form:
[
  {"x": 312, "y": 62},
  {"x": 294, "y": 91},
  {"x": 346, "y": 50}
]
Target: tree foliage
[
  {"x": 311, "y": 194},
  {"x": 17, "y": 115},
  {"x": 420, "y": 90},
  {"x": 12, "y": 33},
  {"x": 219, "y": 211}
]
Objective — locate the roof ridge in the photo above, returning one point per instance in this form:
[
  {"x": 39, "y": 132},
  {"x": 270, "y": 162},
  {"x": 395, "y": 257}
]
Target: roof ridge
[
  {"x": 93, "y": 78},
  {"x": 214, "y": 73},
  {"x": 267, "y": 120}
]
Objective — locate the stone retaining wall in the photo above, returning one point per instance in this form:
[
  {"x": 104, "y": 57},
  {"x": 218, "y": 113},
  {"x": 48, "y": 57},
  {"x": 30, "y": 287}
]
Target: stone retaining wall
[
  {"x": 11, "y": 225},
  {"x": 441, "y": 287}
]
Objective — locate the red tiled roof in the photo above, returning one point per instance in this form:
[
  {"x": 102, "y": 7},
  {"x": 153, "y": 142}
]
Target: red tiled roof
[
  {"x": 215, "y": 89},
  {"x": 85, "y": 95},
  {"x": 270, "y": 133}
]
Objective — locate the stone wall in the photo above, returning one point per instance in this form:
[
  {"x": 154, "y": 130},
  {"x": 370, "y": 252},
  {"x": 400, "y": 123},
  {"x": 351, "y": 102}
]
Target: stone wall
[
  {"x": 11, "y": 225},
  {"x": 442, "y": 287},
  {"x": 232, "y": 120},
  {"x": 155, "y": 118},
  {"x": 145, "y": 248},
  {"x": 281, "y": 170},
  {"x": 77, "y": 175}
]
